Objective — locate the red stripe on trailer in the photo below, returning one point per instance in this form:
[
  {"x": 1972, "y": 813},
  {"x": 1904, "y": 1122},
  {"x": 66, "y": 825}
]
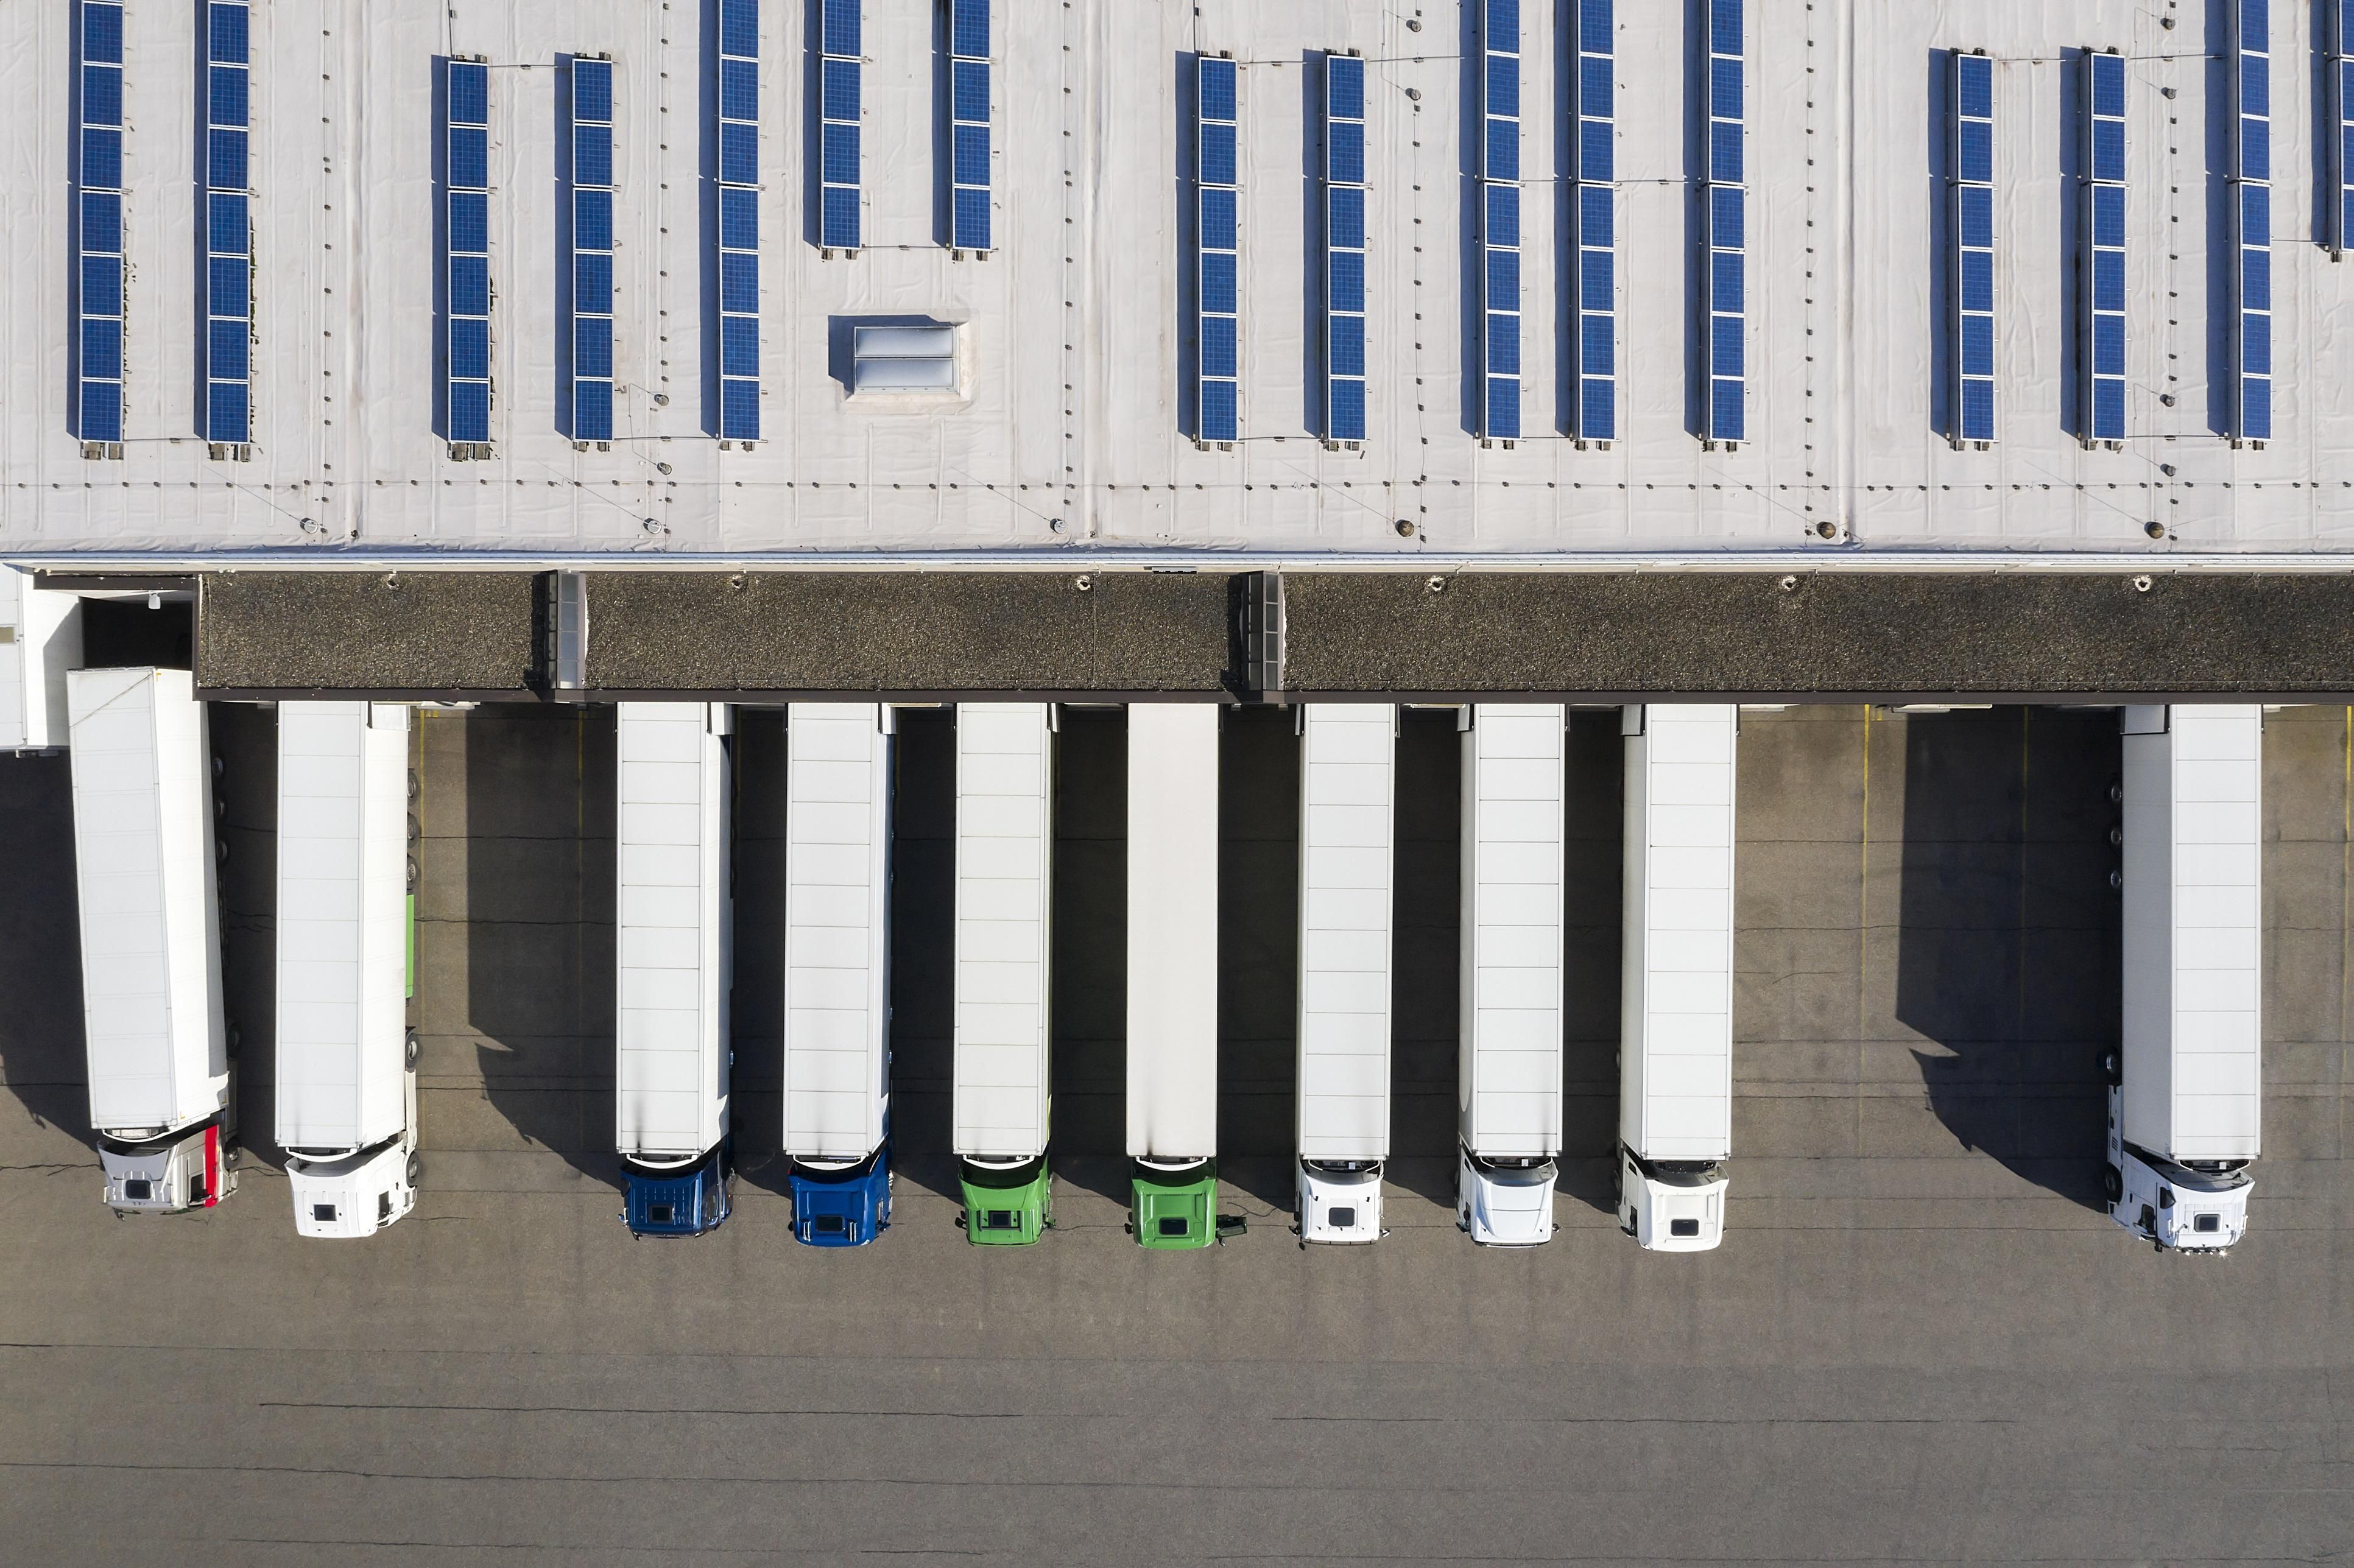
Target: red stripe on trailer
[{"x": 212, "y": 1166}]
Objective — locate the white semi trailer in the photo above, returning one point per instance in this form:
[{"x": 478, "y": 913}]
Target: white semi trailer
[
  {"x": 1004, "y": 940},
  {"x": 1173, "y": 972},
  {"x": 674, "y": 952},
  {"x": 161, "y": 1094},
  {"x": 346, "y": 1060},
  {"x": 2185, "y": 1091},
  {"x": 1675, "y": 1047},
  {"x": 1347, "y": 773},
  {"x": 1509, "y": 1088},
  {"x": 40, "y": 639},
  {"x": 837, "y": 1090}
]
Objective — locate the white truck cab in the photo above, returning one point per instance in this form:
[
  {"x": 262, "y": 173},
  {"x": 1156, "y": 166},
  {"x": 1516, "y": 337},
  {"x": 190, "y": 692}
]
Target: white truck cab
[
  {"x": 1509, "y": 1084},
  {"x": 1675, "y": 1039},
  {"x": 2186, "y": 1092}
]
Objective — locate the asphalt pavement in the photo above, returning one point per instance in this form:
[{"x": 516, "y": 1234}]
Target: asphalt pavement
[{"x": 1920, "y": 1341}]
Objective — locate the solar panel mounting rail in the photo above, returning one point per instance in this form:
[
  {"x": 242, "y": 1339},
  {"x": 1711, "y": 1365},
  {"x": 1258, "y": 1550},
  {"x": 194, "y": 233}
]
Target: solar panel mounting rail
[
  {"x": 224, "y": 345},
  {"x": 2251, "y": 66},
  {"x": 1724, "y": 420},
  {"x": 592, "y": 251},
  {"x": 1344, "y": 250},
  {"x": 1500, "y": 228},
  {"x": 1593, "y": 418},
  {"x": 1217, "y": 283},
  {"x": 738, "y": 236},
  {"x": 98, "y": 282},
  {"x": 2102, "y": 353},
  {"x": 2341, "y": 63},
  {"x": 840, "y": 89},
  {"x": 467, "y": 258},
  {"x": 969, "y": 129},
  {"x": 1971, "y": 231}
]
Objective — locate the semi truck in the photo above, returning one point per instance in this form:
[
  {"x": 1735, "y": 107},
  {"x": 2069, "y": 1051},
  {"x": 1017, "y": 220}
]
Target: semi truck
[
  {"x": 162, "y": 1099},
  {"x": 1004, "y": 884},
  {"x": 1675, "y": 1043},
  {"x": 346, "y": 1060},
  {"x": 40, "y": 639},
  {"x": 674, "y": 950},
  {"x": 1509, "y": 1087},
  {"x": 837, "y": 1091},
  {"x": 1348, "y": 770},
  {"x": 1173, "y": 974},
  {"x": 2185, "y": 1085}
]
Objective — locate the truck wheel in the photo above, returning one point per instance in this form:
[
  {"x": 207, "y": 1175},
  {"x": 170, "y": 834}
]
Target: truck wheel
[
  {"x": 416, "y": 1168},
  {"x": 2111, "y": 1067},
  {"x": 2113, "y": 1182},
  {"x": 410, "y": 1057}
]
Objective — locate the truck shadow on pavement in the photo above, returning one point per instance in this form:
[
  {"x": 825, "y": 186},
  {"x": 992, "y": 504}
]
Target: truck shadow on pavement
[
  {"x": 40, "y": 947},
  {"x": 2008, "y": 943},
  {"x": 536, "y": 845}
]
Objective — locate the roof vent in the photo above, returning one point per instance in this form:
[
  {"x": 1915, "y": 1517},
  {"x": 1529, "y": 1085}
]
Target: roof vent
[{"x": 921, "y": 360}]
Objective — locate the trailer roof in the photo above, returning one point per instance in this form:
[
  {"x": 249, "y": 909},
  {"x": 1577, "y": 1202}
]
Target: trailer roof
[
  {"x": 1004, "y": 933},
  {"x": 1513, "y": 800},
  {"x": 1075, "y": 335},
  {"x": 1348, "y": 777},
  {"x": 837, "y": 928}
]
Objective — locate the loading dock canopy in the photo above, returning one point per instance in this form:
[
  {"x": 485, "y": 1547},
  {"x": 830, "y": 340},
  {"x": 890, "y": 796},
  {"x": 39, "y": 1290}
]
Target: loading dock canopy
[{"x": 1604, "y": 635}]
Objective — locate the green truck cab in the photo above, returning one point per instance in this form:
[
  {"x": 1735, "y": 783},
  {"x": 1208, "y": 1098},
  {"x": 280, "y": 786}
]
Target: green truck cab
[
  {"x": 1173, "y": 1207},
  {"x": 1009, "y": 1205}
]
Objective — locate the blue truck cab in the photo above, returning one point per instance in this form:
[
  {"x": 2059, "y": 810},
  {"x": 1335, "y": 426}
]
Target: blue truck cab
[
  {"x": 846, "y": 1205},
  {"x": 689, "y": 1199}
]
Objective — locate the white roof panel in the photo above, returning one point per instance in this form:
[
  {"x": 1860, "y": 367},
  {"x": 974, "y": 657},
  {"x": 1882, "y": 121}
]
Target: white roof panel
[
  {"x": 672, "y": 943},
  {"x": 1076, "y": 333},
  {"x": 837, "y": 929}
]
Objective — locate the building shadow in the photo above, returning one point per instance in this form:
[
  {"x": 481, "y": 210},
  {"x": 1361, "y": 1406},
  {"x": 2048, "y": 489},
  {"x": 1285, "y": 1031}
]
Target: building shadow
[
  {"x": 1426, "y": 956},
  {"x": 2008, "y": 941},
  {"x": 1089, "y": 1070},
  {"x": 1258, "y": 952},
  {"x": 923, "y": 949},
  {"x": 1593, "y": 852},
  {"x": 538, "y": 924},
  {"x": 41, "y": 1044}
]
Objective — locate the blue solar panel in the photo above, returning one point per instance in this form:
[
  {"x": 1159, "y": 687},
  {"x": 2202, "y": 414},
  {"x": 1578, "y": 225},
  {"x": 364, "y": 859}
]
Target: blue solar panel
[
  {"x": 2340, "y": 196},
  {"x": 1344, "y": 241},
  {"x": 1725, "y": 416},
  {"x": 970, "y": 228},
  {"x": 465, "y": 232},
  {"x": 1594, "y": 220},
  {"x": 2252, "y": 359},
  {"x": 226, "y": 94},
  {"x": 1500, "y": 271},
  {"x": 2102, "y": 350},
  {"x": 1971, "y": 102},
  {"x": 592, "y": 250},
  {"x": 98, "y": 263},
  {"x": 736, "y": 235},
  {"x": 1217, "y": 333},
  {"x": 226, "y": 32},
  {"x": 841, "y": 208}
]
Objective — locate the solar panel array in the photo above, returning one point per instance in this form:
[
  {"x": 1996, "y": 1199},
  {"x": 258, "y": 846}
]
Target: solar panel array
[
  {"x": 1594, "y": 211},
  {"x": 98, "y": 262},
  {"x": 1344, "y": 249},
  {"x": 1500, "y": 232},
  {"x": 227, "y": 349},
  {"x": 2251, "y": 66},
  {"x": 468, "y": 258},
  {"x": 592, "y": 250},
  {"x": 969, "y": 210},
  {"x": 2102, "y": 371},
  {"x": 2341, "y": 113},
  {"x": 1726, "y": 284},
  {"x": 1972, "y": 235},
  {"x": 738, "y": 99},
  {"x": 1219, "y": 362},
  {"x": 839, "y": 89}
]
